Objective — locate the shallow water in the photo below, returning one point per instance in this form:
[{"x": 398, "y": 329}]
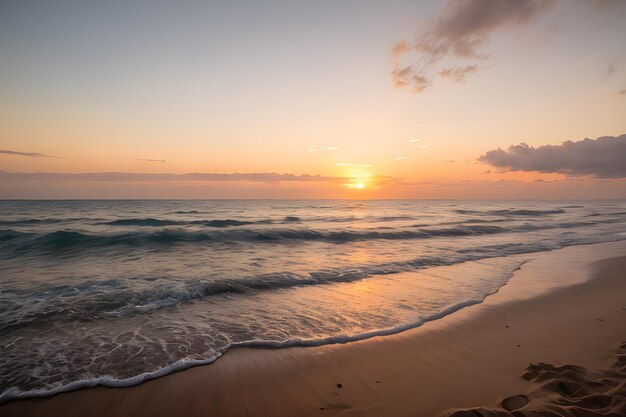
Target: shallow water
[{"x": 114, "y": 291}]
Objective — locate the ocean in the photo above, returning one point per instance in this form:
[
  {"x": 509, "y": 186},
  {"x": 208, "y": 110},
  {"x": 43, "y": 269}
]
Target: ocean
[{"x": 117, "y": 292}]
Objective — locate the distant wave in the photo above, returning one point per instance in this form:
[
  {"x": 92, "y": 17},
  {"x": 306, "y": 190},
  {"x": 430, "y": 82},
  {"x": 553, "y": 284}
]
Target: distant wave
[
  {"x": 29, "y": 221},
  {"x": 143, "y": 222},
  {"x": 149, "y": 221},
  {"x": 37, "y": 221},
  {"x": 68, "y": 239},
  {"x": 292, "y": 219},
  {"x": 159, "y": 222},
  {"x": 513, "y": 212},
  {"x": 64, "y": 240}
]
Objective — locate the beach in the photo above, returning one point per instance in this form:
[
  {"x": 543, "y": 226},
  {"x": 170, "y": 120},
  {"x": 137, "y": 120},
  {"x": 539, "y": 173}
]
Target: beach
[
  {"x": 281, "y": 209},
  {"x": 472, "y": 358}
]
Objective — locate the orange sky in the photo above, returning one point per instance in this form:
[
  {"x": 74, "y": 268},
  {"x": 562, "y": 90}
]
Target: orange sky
[{"x": 305, "y": 89}]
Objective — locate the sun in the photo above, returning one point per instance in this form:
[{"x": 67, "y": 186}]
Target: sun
[{"x": 359, "y": 185}]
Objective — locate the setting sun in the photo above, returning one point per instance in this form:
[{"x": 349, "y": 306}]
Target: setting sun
[{"x": 179, "y": 179}]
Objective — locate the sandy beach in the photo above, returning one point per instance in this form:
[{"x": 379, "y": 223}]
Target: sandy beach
[
  {"x": 474, "y": 358},
  {"x": 312, "y": 208}
]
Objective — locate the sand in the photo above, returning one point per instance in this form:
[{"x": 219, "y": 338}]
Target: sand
[{"x": 528, "y": 350}]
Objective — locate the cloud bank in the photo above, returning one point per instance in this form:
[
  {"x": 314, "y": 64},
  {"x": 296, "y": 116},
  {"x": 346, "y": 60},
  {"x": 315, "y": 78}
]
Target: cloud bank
[
  {"x": 460, "y": 33},
  {"x": 267, "y": 177},
  {"x": 31, "y": 154},
  {"x": 603, "y": 157}
]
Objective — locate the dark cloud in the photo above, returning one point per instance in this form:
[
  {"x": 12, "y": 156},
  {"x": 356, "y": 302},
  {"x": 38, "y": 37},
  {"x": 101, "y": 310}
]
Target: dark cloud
[
  {"x": 622, "y": 92},
  {"x": 604, "y": 157},
  {"x": 461, "y": 31},
  {"x": 151, "y": 160},
  {"x": 31, "y": 154},
  {"x": 266, "y": 177},
  {"x": 464, "y": 27}
]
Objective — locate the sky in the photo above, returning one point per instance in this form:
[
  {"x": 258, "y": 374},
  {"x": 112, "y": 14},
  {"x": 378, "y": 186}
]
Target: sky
[{"x": 326, "y": 99}]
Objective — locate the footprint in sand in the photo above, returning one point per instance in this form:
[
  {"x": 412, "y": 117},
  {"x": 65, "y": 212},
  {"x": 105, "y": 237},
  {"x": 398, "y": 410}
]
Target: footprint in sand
[
  {"x": 565, "y": 390},
  {"x": 515, "y": 402}
]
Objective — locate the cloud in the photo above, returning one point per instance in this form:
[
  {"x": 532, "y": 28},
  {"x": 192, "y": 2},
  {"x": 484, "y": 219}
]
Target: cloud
[
  {"x": 266, "y": 177},
  {"x": 461, "y": 31},
  {"x": 415, "y": 140},
  {"x": 31, "y": 154},
  {"x": 151, "y": 160},
  {"x": 408, "y": 77},
  {"x": 400, "y": 158},
  {"x": 603, "y": 157},
  {"x": 622, "y": 92},
  {"x": 401, "y": 48},
  {"x": 458, "y": 74},
  {"x": 321, "y": 148}
]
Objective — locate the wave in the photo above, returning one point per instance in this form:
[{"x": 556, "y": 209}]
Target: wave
[
  {"x": 513, "y": 212},
  {"x": 110, "y": 299},
  {"x": 34, "y": 221},
  {"x": 108, "y": 381},
  {"x": 29, "y": 221},
  {"x": 142, "y": 222},
  {"x": 159, "y": 222},
  {"x": 23, "y": 242},
  {"x": 149, "y": 221},
  {"x": 63, "y": 239}
]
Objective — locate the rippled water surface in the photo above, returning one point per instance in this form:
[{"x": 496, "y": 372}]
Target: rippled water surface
[{"x": 114, "y": 291}]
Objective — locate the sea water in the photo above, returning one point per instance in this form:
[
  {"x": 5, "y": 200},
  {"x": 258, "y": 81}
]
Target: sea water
[{"x": 115, "y": 292}]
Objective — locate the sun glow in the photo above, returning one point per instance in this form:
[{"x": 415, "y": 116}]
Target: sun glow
[{"x": 359, "y": 185}]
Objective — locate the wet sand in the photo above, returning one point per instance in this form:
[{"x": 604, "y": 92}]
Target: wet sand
[{"x": 477, "y": 358}]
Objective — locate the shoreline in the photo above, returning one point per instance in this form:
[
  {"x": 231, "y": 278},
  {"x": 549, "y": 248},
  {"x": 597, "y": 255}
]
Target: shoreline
[{"x": 469, "y": 358}]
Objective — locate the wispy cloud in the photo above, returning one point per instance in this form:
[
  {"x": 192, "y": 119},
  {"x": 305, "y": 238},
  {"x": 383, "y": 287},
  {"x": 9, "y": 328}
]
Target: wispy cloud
[
  {"x": 399, "y": 158},
  {"x": 151, "y": 160},
  {"x": 604, "y": 157},
  {"x": 458, "y": 74},
  {"x": 461, "y": 31},
  {"x": 30, "y": 154},
  {"x": 415, "y": 140},
  {"x": 315, "y": 148},
  {"x": 409, "y": 77}
]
